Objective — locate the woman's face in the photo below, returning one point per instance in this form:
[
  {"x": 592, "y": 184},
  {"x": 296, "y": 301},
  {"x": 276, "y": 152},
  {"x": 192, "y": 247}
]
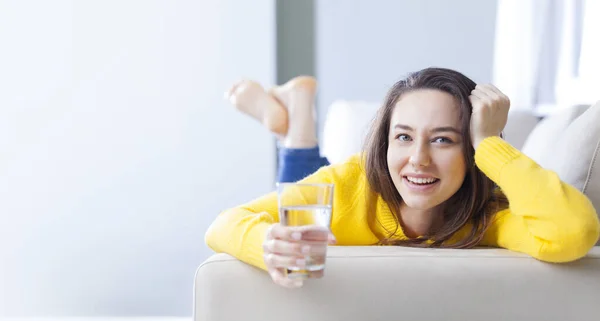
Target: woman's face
[{"x": 425, "y": 151}]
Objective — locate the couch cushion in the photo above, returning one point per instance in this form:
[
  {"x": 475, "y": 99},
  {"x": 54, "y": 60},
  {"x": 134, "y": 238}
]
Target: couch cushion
[
  {"x": 542, "y": 141},
  {"x": 519, "y": 125},
  {"x": 346, "y": 127},
  {"x": 575, "y": 156},
  {"x": 399, "y": 283}
]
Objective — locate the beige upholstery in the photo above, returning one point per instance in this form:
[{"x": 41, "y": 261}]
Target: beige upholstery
[
  {"x": 396, "y": 283},
  {"x": 518, "y": 127},
  {"x": 346, "y": 127},
  {"x": 542, "y": 141},
  {"x": 575, "y": 154}
]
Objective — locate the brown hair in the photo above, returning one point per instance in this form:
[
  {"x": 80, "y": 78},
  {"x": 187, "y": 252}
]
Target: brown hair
[{"x": 475, "y": 202}]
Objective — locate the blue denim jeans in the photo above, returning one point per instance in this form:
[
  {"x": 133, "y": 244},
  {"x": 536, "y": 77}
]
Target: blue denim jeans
[{"x": 295, "y": 164}]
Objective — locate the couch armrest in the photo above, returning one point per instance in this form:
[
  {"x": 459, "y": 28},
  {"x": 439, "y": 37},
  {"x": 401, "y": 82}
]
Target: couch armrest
[{"x": 389, "y": 283}]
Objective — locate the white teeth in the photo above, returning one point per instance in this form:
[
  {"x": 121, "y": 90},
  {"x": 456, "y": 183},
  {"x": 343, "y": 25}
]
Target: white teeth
[{"x": 418, "y": 180}]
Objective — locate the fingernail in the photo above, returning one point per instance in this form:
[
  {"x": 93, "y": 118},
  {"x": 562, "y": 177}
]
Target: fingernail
[
  {"x": 296, "y": 236},
  {"x": 306, "y": 249},
  {"x": 300, "y": 262}
]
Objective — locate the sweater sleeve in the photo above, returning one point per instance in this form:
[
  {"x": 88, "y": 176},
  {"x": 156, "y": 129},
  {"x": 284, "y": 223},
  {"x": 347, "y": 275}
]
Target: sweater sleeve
[
  {"x": 547, "y": 218},
  {"x": 240, "y": 231}
]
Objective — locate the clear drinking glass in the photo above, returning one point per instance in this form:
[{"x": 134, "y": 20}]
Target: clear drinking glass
[{"x": 301, "y": 205}]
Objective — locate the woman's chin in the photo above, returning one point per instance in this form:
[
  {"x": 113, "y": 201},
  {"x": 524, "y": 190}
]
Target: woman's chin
[{"x": 419, "y": 203}]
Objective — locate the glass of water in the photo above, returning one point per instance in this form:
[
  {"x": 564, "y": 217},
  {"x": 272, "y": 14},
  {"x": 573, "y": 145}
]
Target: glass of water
[{"x": 303, "y": 204}]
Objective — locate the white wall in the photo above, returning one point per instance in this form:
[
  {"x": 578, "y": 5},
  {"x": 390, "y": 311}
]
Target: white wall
[
  {"x": 363, "y": 47},
  {"x": 117, "y": 149}
]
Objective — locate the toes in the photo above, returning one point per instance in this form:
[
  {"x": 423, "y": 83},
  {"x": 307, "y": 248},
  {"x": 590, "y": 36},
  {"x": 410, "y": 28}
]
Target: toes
[
  {"x": 302, "y": 83},
  {"x": 245, "y": 94},
  {"x": 229, "y": 93},
  {"x": 306, "y": 86},
  {"x": 250, "y": 98}
]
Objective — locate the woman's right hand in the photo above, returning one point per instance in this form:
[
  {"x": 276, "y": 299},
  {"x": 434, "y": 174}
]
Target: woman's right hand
[{"x": 287, "y": 246}]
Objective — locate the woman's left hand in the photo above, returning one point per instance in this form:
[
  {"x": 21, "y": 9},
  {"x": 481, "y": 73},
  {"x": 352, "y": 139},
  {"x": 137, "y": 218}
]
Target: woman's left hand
[{"x": 490, "y": 112}]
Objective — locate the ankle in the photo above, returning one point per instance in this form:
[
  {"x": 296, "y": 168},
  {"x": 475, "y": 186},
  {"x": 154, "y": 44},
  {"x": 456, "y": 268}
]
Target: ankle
[{"x": 300, "y": 143}]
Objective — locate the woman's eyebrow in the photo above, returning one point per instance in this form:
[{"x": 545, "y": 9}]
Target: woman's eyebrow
[
  {"x": 435, "y": 130},
  {"x": 405, "y": 127},
  {"x": 446, "y": 129}
]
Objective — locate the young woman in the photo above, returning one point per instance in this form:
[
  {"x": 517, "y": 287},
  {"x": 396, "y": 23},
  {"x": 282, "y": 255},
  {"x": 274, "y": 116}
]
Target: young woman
[{"x": 434, "y": 173}]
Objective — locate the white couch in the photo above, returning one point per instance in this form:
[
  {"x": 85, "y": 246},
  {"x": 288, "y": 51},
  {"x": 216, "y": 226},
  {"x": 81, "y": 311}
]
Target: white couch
[{"x": 398, "y": 283}]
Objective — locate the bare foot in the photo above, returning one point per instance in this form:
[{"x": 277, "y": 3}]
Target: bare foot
[
  {"x": 298, "y": 96},
  {"x": 250, "y": 98}
]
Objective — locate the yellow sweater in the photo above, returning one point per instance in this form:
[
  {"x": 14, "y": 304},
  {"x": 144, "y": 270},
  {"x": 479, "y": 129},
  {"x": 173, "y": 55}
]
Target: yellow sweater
[{"x": 547, "y": 219}]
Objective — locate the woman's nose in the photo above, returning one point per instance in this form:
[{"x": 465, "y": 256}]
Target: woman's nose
[{"x": 420, "y": 156}]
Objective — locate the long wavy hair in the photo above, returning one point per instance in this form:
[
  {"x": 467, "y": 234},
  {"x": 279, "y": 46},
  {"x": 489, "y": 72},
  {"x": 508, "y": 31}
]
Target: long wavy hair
[{"x": 476, "y": 201}]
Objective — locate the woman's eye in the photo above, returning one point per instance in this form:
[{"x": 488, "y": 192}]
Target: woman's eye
[
  {"x": 443, "y": 140},
  {"x": 403, "y": 137}
]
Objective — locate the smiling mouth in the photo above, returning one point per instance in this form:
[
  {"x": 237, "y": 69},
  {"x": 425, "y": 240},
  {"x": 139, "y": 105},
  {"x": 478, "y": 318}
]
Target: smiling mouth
[{"x": 421, "y": 181}]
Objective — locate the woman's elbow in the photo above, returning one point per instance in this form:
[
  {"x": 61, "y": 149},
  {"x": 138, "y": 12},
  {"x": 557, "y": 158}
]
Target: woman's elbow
[
  {"x": 209, "y": 237},
  {"x": 214, "y": 234},
  {"x": 575, "y": 242}
]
